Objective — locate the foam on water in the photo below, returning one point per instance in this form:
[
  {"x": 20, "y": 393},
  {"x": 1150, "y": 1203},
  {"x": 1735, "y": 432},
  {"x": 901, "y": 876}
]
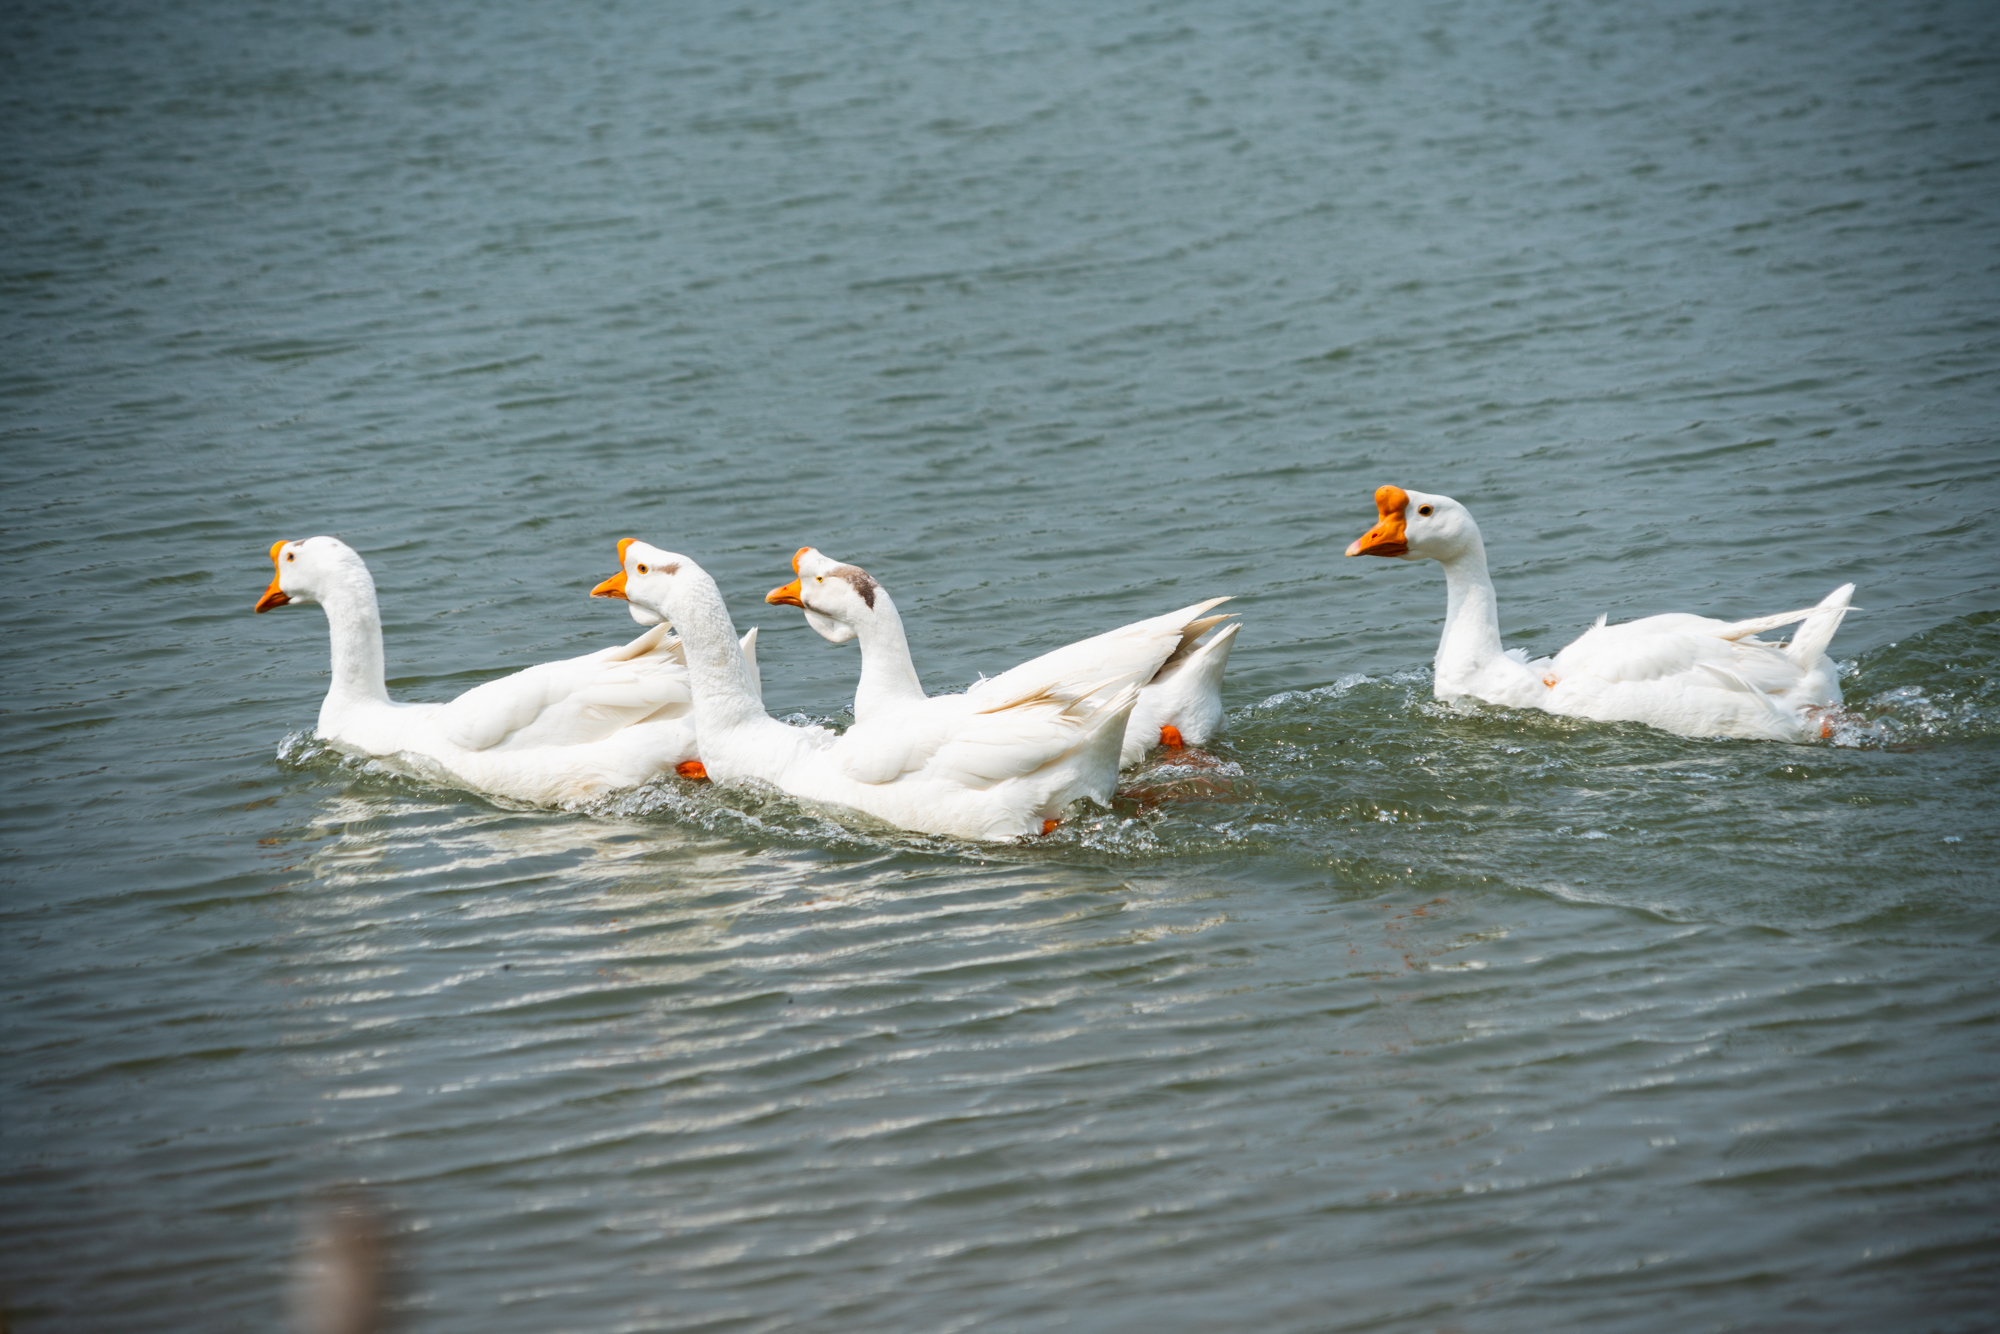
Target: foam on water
[{"x": 1942, "y": 684}]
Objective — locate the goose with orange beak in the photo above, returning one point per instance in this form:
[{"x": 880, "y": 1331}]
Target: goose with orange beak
[
  {"x": 1683, "y": 673},
  {"x": 1009, "y": 770},
  {"x": 558, "y": 734},
  {"x": 1179, "y": 679}
]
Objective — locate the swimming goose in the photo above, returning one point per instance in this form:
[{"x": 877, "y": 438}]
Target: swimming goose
[
  {"x": 1006, "y": 771},
  {"x": 1681, "y": 673},
  {"x": 1180, "y": 696},
  {"x": 558, "y": 734}
]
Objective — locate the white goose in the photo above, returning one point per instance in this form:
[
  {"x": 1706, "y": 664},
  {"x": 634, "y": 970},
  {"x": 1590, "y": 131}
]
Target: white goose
[
  {"x": 558, "y": 734},
  {"x": 1180, "y": 695},
  {"x": 1005, "y": 772},
  {"x": 1681, "y": 673}
]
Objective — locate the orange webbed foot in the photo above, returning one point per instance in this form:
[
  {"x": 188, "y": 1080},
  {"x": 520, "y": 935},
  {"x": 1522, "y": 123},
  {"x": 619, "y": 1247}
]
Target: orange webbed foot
[
  {"x": 1170, "y": 737},
  {"x": 693, "y": 770}
]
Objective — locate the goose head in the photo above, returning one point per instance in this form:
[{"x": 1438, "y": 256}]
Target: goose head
[
  {"x": 645, "y": 579},
  {"x": 1416, "y": 525},
  {"x": 306, "y": 570},
  {"x": 837, "y": 599}
]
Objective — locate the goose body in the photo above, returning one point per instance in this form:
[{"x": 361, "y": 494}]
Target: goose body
[
  {"x": 1179, "y": 679},
  {"x": 1693, "y": 675},
  {"x": 557, "y": 734},
  {"x": 1007, "y": 770}
]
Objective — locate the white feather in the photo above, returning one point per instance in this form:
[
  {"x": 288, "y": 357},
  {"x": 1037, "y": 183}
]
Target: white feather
[
  {"x": 1179, "y": 675},
  {"x": 559, "y": 734},
  {"x": 1690, "y": 674}
]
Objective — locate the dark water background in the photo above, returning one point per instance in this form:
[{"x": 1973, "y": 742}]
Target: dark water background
[{"x": 1053, "y": 316}]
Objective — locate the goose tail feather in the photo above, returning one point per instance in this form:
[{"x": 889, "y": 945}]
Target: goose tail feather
[{"x": 1820, "y": 624}]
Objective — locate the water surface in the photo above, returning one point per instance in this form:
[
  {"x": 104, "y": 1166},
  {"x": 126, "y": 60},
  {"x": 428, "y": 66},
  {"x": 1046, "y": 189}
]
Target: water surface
[{"x": 1396, "y": 1017}]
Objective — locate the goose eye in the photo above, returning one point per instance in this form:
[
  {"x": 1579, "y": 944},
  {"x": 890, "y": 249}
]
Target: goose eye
[
  {"x": 642, "y": 569},
  {"x": 1423, "y": 509},
  {"x": 291, "y": 555},
  {"x": 819, "y": 578}
]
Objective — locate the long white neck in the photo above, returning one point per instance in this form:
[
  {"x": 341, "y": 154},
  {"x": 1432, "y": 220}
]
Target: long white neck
[
  {"x": 1471, "y": 638},
  {"x": 888, "y": 677},
  {"x": 724, "y": 694},
  {"x": 354, "y": 633}
]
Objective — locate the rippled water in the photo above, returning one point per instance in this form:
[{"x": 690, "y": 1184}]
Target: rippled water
[{"x": 1386, "y": 1015}]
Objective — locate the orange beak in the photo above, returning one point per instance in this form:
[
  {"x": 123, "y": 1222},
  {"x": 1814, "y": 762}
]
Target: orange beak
[
  {"x": 614, "y": 587},
  {"x": 798, "y": 556},
  {"x": 274, "y": 596},
  {"x": 1387, "y": 537},
  {"x": 788, "y": 596}
]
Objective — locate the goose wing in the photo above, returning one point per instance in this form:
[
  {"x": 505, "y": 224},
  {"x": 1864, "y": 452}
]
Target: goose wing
[
  {"x": 1136, "y": 653},
  {"x": 970, "y": 743},
  {"x": 1012, "y": 739},
  {"x": 1659, "y": 648},
  {"x": 573, "y": 702},
  {"x": 883, "y": 749}
]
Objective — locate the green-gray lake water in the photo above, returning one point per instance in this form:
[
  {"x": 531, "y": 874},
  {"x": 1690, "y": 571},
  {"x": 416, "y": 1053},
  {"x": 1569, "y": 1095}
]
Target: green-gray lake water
[{"x": 1053, "y": 316}]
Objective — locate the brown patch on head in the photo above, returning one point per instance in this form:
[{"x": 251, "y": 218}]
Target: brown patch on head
[
  {"x": 643, "y": 568},
  {"x": 861, "y": 581}
]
